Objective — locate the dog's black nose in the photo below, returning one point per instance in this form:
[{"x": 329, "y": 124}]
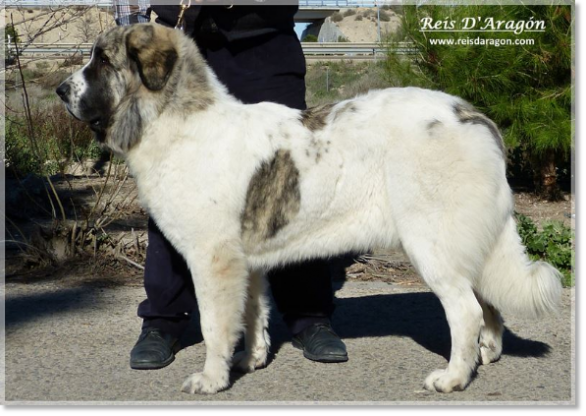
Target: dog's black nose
[{"x": 63, "y": 91}]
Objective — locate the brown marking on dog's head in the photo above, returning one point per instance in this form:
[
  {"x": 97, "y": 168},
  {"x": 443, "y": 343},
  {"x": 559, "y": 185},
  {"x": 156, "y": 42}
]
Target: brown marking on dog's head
[
  {"x": 153, "y": 50},
  {"x": 272, "y": 200},
  {"x": 314, "y": 118},
  {"x": 136, "y": 73}
]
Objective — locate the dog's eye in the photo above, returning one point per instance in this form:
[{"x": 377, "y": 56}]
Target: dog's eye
[{"x": 104, "y": 60}]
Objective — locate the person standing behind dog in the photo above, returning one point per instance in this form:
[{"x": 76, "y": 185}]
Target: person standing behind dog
[{"x": 256, "y": 54}]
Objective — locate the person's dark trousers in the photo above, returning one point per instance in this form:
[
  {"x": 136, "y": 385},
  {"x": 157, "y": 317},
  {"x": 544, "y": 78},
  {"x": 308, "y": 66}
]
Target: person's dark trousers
[{"x": 271, "y": 70}]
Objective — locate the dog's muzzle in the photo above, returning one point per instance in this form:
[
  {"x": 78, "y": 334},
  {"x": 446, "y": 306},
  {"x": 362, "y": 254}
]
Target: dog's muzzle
[{"x": 73, "y": 107}]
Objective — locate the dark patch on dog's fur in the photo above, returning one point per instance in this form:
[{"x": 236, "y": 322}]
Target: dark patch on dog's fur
[
  {"x": 128, "y": 125},
  {"x": 314, "y": 118},
  {"x": 273, "y": 198},
  {"x": 433, "y": 123},
  {"x": 315, "y": 148},
  {"x": 197, "y": 92},
  {"x": 468, "y": 114}
]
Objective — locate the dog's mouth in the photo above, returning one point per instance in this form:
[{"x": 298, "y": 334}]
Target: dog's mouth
[
  {"x": 98, "y": 126},
  {"x": 96, "y": 123}
]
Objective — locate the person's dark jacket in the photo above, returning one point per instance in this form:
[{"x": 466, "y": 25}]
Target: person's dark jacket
[{"x": 235, "y": 23}]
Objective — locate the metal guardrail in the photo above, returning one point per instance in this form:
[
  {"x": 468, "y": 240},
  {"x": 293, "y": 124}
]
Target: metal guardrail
[
  {"x": 340, "y": 3},
  {"x": 355, "y": 47},
  {"x": 108, "y": 3},
  {"x": 330, "y": 50}
]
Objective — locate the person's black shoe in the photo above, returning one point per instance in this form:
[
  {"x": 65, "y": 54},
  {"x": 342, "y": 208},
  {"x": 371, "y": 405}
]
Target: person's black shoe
[
  {"x": 320, "y": 343},
  {"x": 153, "y": 350}
]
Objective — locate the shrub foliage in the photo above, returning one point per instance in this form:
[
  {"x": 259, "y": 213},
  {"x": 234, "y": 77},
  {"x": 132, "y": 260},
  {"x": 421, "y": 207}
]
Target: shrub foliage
[
  {"x": 553, "y": 243},
  {"x": 525, "y": 88}
]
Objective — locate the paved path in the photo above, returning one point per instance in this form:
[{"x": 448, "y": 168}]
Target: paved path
[{"x": 71, "y": 343}]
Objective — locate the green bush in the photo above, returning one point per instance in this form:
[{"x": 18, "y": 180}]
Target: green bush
[
  {"x": 553, "y": 243},
  {"x": 335, "y": 81},
  {"x": 73, "y": 60},
  {"x": 349, "y": 12},
  {"x": 11, "y": 31},
  {"x": 18, "y": 153},
  {"x": 57, "y": 140},
  {"x": 309, "y": 38},
  {"x": 525, "y": 88},
  {"x": 52, "y": 79},
  {"x": 337, "y": 17},
  {"x": 43, "y": 66}
]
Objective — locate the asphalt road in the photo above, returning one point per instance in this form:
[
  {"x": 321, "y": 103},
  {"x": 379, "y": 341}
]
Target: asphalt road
[{"x": 71, "y": 343}]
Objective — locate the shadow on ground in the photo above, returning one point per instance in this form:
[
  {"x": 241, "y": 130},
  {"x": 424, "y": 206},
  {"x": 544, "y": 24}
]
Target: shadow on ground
[
  {"x": 24, "y": 308},
  {"x": 417, "y": 315}
]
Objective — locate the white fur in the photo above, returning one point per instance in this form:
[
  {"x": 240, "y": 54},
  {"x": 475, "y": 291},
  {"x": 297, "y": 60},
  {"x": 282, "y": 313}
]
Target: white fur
[
  {"x": 400, "y": 171},
  {"x": 78, "y": 87},
  {"x": 386, "y": 180}
]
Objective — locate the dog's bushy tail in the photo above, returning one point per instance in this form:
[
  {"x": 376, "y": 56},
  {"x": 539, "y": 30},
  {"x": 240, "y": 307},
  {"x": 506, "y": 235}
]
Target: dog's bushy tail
[{"x": 513, "y": 283}]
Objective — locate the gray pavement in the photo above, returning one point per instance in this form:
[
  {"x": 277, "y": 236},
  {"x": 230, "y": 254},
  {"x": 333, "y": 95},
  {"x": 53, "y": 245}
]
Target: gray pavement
[{"x": 71, "y": 343}]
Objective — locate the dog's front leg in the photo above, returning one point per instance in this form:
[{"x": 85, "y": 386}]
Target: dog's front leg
[
  {"x": 220, "y": 280},
  {"x": 257, "y": 340}
]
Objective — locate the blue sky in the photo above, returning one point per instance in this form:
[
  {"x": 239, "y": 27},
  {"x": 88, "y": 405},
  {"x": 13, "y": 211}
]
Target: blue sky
[{"x": 299, "y": 28}]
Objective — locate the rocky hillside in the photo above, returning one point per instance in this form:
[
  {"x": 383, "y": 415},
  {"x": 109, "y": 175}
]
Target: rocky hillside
[
  {"x": 81, "y": 24},
  {"x": 355, "y": 25},
  {"x": 74, "y": 24}
]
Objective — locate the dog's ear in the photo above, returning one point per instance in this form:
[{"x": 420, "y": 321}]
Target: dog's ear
[{"x": 153, "y": 50}]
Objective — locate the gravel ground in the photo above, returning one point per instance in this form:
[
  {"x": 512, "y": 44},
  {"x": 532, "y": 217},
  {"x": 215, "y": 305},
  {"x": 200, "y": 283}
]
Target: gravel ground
[{"x": 70, "y": 344}]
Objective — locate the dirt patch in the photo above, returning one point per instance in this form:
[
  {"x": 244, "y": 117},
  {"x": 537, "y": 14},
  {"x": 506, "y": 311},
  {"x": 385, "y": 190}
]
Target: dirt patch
[
  {"x": 540, "y": 211},
  {"x": 103, "y": 237}
]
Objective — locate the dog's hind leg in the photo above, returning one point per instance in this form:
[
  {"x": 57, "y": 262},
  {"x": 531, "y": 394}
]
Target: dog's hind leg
[
  {"x": 491, "y": 333},
  {"x": 256, "y": 316},
  {"x": 464, "y": 316},
  {"x": 463, "y": 313},
  {"x": 220, "y": 280}
]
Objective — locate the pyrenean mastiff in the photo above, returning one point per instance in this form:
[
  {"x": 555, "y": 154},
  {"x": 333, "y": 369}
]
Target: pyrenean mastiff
[{"x": 239, "y": 189}]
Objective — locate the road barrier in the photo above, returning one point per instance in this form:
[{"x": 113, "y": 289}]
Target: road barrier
[{"x": 312, "y": 50}]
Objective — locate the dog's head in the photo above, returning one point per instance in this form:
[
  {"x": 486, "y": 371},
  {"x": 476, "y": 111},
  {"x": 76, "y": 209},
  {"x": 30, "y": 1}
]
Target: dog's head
[{"x": 127, "y": 64}]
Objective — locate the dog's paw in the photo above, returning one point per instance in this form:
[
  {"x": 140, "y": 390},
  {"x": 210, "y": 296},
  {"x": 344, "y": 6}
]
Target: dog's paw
[
  {"x": 203, "y": 383},
  {"x": 247, "y": 362},
  {"x": 443, "y": 381},
  {"x": 489, "y": 353}
]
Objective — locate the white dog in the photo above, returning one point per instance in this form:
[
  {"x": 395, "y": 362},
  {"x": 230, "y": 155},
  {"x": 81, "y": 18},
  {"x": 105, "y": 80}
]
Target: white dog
[{"x": 238, "y": 189}]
